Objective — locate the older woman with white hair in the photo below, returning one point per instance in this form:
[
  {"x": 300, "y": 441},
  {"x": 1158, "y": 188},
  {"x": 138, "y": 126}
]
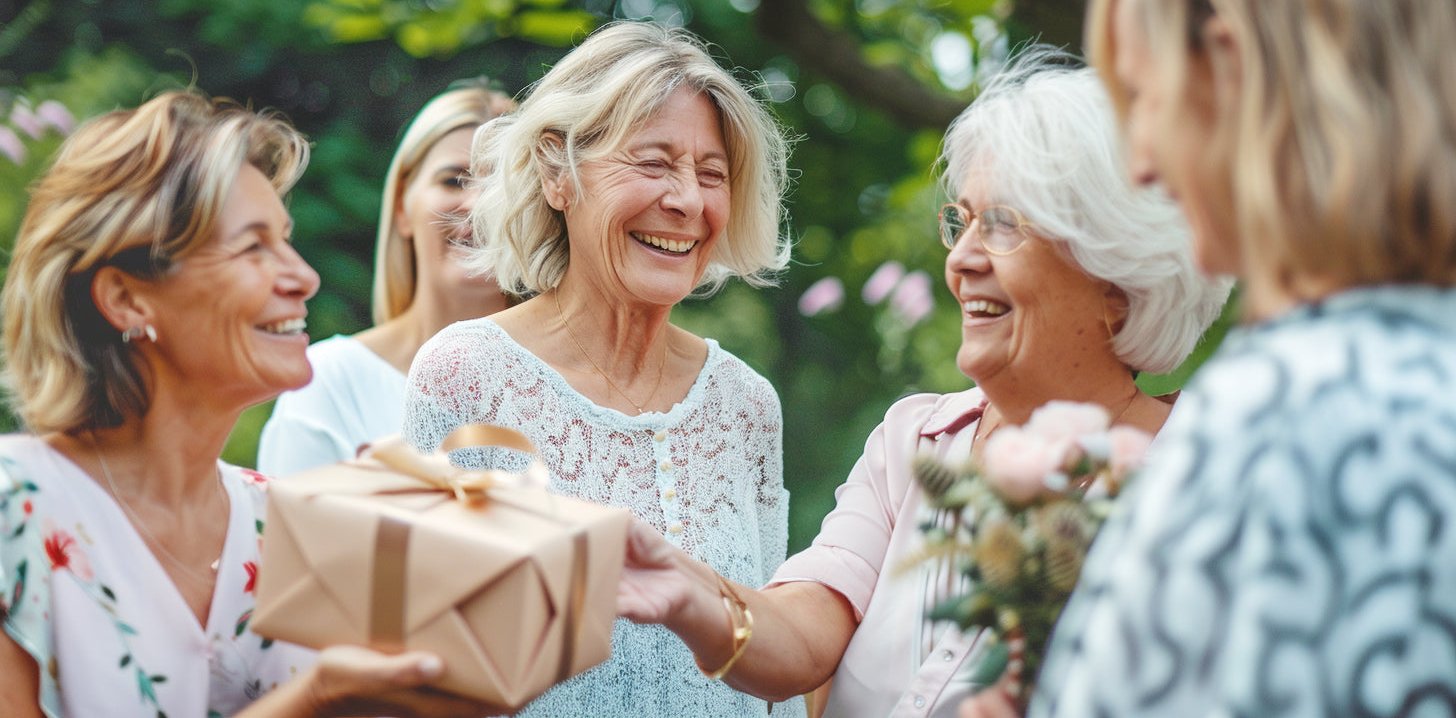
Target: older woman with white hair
[
  {"x": 637, "y": 172},
  {"x": 1070, "y": 281}
]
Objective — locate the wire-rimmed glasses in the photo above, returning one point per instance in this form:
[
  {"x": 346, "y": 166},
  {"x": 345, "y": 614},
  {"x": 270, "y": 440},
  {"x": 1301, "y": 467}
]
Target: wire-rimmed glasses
[{"x": 1001, "y": 230}]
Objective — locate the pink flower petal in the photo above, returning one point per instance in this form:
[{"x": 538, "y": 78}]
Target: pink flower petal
[
  {"x": 11, "y": 146},
  {"x": 56, "y": 115},
  {"x": 882, "y": 282},
  {"x": 24, "y": 119},
  {"x": 1068, "y": 420},
  {"x": 825, "y": 295},
  {"x": 1016, "y": 463},
  {"x": 913, "y": 300}
]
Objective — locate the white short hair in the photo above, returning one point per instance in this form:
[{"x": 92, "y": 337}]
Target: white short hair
[
  {"x": 591, "y": 101},
  {"x": 1043, "y": 133}
]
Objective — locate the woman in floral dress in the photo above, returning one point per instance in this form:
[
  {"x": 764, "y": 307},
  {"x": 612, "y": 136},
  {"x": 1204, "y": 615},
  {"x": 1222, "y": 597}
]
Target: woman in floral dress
[{"x": 152, "y": 296}]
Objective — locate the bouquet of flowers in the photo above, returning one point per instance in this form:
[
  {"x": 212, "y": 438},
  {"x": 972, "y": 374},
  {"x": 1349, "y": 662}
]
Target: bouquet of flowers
[{"x": 1018, "y": 524}]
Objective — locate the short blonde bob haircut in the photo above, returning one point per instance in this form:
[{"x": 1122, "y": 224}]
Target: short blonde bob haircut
[
  {"x": 1338, "y": 142},
  {"x": 468, "y": 105},
  {"x": 1041, "y": 135},
  {"x": 134, "y": 189},
  {"x": 590, "y": 102}
]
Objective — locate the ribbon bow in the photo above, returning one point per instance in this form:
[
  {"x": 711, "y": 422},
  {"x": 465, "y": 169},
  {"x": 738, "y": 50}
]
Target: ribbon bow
[{"x": 468, "y": 486}]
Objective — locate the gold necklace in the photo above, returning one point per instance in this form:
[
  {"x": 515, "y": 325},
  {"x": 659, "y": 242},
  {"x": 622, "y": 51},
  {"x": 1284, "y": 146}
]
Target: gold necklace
[
  {"x": 147, "y": 533},
  {"x": 661, "y": 364}
]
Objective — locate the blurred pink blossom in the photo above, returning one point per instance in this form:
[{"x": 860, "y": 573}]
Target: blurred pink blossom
[
  {"x": 1129, "y": 446},
  {"x": 1017, "y": 462},
  {"x": 824, "y": 295},
  {"x": 912, "y": 299},
  {"x": 24, "y": 119},
  {"x": 1064, "y": 422},
  {"x": 10, "y": 145},
  {"x": 56, "y": 115},
  {"x": 882, "y": 282}
]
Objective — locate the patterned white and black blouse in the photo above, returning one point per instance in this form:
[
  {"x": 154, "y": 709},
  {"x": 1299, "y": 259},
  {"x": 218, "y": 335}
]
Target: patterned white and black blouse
[{"x": 1291, "y": 549}]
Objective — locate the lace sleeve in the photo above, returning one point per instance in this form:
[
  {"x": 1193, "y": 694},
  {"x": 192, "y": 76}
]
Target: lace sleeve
[{"x": 442, "y": 389}]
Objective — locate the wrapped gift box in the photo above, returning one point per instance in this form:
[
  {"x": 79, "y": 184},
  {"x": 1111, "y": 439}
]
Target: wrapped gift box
[{"x": 514, "y": 588}]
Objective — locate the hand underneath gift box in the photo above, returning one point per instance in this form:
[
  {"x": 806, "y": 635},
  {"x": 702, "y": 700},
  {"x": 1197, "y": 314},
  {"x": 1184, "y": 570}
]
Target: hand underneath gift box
[{"x": 356, "y": 681}]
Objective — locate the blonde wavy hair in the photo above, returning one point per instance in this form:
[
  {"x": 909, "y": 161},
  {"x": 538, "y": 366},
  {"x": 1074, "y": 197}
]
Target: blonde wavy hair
[
  {"x": 134, "y": 189},
  {"x": 470, "y": 105},
  {"x": 585, "y": 108},
  {"x": 1338, "y": 140}
]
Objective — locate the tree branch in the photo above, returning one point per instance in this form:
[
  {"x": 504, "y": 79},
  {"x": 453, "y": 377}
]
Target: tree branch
[{"x": 836, "y": 56}]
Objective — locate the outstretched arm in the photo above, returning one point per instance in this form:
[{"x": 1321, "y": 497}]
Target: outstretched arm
[{"x": 800, "y": 629}]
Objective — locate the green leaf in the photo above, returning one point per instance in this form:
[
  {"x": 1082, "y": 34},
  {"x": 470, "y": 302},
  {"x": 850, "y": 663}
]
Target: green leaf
[
  {"x": 125, "y": 661},
  {"x": 560, "y": 28},
  {"x": 107, "y": 592},
  {"x": 242, "y": 624},
  {"x": 992, "y": 665}
]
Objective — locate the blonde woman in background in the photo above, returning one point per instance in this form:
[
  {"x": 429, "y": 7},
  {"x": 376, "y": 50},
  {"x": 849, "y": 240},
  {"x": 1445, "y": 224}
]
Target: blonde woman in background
[
  {"x": 420, "y": 287},
  {"x": 154, "y": 294}
]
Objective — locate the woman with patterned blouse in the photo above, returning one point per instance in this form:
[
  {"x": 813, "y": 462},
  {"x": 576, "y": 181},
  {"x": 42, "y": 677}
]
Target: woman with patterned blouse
[
  {"x": 637, "y": 172},
  {"x": 1291, "y": 549},
  {"x": 153, "y": 294}
]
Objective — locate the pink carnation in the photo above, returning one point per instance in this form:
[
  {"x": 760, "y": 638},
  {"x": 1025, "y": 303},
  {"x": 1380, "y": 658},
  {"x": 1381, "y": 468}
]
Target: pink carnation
[
  {"x": 1017, "y": 462},
  {"x": 1064, "y": 422},
  {"x": 824, "y": 295},
  {"x": 882, "y": 282},
  {"x": 1129, "y": 446}
]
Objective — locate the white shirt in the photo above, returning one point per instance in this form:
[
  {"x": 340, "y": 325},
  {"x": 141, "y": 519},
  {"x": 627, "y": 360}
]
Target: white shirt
[{"x": 355, "y": 397}]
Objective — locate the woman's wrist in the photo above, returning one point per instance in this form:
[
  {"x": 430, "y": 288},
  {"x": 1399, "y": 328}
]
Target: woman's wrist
[{"x": 702, "y": 620}]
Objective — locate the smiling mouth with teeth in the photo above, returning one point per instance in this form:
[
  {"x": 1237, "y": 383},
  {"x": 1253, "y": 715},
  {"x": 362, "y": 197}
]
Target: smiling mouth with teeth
[
  {"x": 984, "y": 308},
  {"x": 667, "y": 245},
  {"x": 287, "y": 326}
]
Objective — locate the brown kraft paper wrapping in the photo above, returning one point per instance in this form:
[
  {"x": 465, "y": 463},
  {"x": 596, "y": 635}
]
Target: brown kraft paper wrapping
[{"x": 514, "y": 588}]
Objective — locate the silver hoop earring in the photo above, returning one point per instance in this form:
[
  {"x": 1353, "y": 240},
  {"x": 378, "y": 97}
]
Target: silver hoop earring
[{"x": 134, "y": 333}]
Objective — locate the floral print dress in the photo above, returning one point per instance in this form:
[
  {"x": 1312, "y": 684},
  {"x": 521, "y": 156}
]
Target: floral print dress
[{"x": 84, "y": 596}]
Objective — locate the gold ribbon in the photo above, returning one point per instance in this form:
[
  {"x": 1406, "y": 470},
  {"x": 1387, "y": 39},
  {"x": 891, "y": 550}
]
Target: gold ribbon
[
  {"x": 468, "y": 486},
  {"x": 436, "y": 473}
]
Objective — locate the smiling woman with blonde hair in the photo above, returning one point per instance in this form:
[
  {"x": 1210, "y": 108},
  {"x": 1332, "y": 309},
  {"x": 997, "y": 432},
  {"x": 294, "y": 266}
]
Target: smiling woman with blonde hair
[
  {"x": 636, "y": 173},
  {"x": 153, "y": 294}
]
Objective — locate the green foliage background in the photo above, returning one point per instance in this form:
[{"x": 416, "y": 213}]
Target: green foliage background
[{"x": 350, "y": 73}]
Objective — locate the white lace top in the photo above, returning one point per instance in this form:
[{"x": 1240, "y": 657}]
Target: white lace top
[{"x": 708, "y": 474}]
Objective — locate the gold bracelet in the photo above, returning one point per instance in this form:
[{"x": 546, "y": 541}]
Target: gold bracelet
[{"x": 741, "y": 620}]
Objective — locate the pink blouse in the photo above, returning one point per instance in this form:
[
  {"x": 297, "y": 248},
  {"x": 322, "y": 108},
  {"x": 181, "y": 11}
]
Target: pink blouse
[{"x": 897, "y": 664}]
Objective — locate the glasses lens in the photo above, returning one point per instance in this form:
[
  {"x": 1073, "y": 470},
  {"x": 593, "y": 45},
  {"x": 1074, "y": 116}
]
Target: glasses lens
[
  {"x": 999, "y": 229},
  {"x": 952, "y": 225}
]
